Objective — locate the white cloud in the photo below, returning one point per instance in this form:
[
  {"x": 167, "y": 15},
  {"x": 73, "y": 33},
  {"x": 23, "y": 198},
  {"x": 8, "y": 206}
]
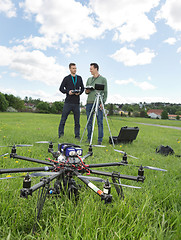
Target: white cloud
[
  {"x": 70, "y": 48},
  {"x": 179, "y": 50},
  {"x": 8, "y": 91},
  {"x": 70, "y": 22},
  {"x": 143, "y": 85},
  {"x": 116, "y": 98},
  {"x": 69, "y": 19},
  {"x": 58, "y": 96},
  {"x": 36, "y": 94},
  {"x": 170, "y": 11},
  {"x": 32, "y": 66},
  {"x": 170, "y": 41},
  {"x": 130, "y": 58},
  {"x": 128, "y": 18},
  {"x": 134, "y": 29},
  {"x": 40, "y": 43},
  {"x": 14, "y": 74},
  {"x": 6, "y": 56},
  {"x": 8, "y": 7}
]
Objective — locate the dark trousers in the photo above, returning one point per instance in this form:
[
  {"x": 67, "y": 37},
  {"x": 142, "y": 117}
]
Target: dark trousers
[
  {"x": 99, "y": 122},
  {"x": 67, "y": 108}
]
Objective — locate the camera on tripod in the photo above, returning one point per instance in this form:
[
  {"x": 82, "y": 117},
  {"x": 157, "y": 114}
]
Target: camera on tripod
[
  {"x": 99, "y": 86},
  {"x": 76, "y": 91}
]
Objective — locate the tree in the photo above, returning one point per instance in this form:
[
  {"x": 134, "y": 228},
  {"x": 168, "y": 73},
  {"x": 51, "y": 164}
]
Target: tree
[
  {"x": 19, "y": 104},
  {"x": 111, "y": 112},
  {"x": 3, "y": 103},
  {"x": 43, "y": 107},
  {"x": 136, "y": 114},
  {"x": 178, "y": 117},
  {"x": 143, "y": 114},
  {"x": 164, "y": 115},
  {"x": 26, "y": 99},
  {"x": 58, "y": 106},
  {"x": 15, "y": 102}
]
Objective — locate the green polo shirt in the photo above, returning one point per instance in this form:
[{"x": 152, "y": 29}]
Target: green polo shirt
[{"x": 91, "y": 82}]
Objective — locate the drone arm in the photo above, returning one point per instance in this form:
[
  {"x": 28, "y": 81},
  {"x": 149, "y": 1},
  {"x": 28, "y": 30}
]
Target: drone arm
[
  {"x": 89, "y": 184},
  {"x": 28, "y": 191},
  {"x": 105, "y": 164},
  {"x": 128, "y": 177},
  {"x": 31, "y": 159},
  {"x": 17, "y": 170},
  {"x": 45, "y": 181},
  {"x": 106, "y": 197},
  {"x": 87, "y": 155}
]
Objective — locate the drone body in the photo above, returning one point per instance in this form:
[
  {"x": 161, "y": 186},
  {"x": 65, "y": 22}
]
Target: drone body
[{"x": 68, "y": 163}]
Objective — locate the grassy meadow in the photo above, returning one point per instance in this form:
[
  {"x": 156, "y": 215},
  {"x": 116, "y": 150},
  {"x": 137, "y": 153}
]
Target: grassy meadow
[{"x": 152, "y": 212}]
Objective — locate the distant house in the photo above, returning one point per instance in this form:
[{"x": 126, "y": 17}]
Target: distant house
[
  {"x": 173, "y": 117},
  {"x": 155, "y": 113},
  {"x": 30, "y": 105}
]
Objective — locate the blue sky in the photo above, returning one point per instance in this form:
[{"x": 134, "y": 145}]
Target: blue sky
[{"x": 137, "y": 45}]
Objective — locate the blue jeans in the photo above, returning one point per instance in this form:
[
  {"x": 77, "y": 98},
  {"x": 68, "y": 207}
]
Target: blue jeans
[
  {"x": 99, "y": 122},
  {"x": 67, "y": 108}
]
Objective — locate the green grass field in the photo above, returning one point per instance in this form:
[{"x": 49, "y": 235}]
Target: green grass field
[{"x": 152, "y": 212}]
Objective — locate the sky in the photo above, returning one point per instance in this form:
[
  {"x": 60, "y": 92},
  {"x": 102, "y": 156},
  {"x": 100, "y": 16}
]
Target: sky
[{"x": 136, "y": 43}]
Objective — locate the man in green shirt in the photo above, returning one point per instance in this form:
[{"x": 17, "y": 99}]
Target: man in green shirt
[{"x": 95, "y": 79}]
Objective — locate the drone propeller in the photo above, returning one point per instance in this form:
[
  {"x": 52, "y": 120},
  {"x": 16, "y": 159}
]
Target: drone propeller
[
  {"x": 44, "y": 142},
  {"x": 5, "y": 178},
  {"x": 125, "y": 153},
  {"x": 4, "y": 154},
  {"x": 152, "y": 168},
  {"x": 42, "y": 174},
  {"x": 97, "y": 179},
  {"x": 19, "y": 145},
  {"x": 146, "y": 167},
  {"x": 35, "y": 174},
  {"x": 101, "y": 146}
]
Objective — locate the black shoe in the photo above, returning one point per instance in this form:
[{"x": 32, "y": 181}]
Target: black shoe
[
  {"x": 61, "y": 135},
  {"x": 77, "y": 137},
  {"x": 99, "y": 143}
]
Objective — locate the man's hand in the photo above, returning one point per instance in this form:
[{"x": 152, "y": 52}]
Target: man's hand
[
  {"x": 87, "y": 91},
  {"x": 71, "y": 93}
]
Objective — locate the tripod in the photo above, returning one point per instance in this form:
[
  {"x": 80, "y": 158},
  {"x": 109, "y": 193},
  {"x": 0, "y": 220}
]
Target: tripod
[{"x": 96, "y": 105}]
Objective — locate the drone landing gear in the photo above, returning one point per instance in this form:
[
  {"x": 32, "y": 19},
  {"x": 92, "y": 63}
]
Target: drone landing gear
[
  {"x": 42, "y": 194},
  {"x": 71, "y": 188},
  {"x": 117, "y": 184}
]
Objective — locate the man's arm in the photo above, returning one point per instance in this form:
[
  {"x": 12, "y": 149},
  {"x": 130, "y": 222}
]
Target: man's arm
[
  {"x": 81, "y": 86},
  {"x": 63, "y": 87},
  {"x": 87, "y": 91},
  {"x": 105, "y": 91}
]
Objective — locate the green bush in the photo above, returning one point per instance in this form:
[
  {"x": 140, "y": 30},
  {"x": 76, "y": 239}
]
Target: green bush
[
  {"x": 11, "y": 109},
  {"x": 3, "y": 103}
]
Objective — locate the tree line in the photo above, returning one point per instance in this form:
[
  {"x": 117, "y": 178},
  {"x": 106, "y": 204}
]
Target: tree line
[{"x": 8, "y": 102}]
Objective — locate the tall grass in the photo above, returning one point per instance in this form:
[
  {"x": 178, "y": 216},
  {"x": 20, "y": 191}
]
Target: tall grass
[{"x": 153, "y": 212}]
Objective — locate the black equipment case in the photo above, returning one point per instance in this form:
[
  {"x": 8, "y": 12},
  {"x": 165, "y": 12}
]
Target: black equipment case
[{"x": 126, "y": 135}]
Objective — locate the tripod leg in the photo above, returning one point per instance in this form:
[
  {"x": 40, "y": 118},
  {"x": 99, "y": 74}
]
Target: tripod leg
[
  {"x": 96, "y": 112},
  {"x": 88, "y": 119},
  {"x": 107, "y": 120}
]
